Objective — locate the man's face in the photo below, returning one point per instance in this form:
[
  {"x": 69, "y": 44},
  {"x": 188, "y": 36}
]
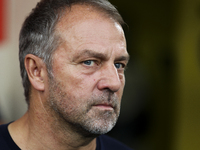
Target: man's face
[{"x": 88, "y": 71}]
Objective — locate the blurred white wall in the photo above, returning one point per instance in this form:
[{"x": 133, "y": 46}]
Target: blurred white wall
[{"x": 12, "y": 101}]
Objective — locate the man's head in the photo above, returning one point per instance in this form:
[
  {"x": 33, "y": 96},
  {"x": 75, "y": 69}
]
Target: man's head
[
  {"x": 39, "y": 37},
  {"x": 85, "y": 56}
]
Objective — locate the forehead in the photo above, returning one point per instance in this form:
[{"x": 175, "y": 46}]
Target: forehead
[
  {"x": 85, "y": 25},
  {"x": 83, "y": 13}
]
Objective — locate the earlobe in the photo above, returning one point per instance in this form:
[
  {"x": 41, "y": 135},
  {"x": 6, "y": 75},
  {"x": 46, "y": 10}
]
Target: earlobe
[{"x": 36, "y": 71}]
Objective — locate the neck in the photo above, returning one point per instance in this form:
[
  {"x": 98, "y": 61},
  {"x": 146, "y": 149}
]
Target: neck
[{"x": 43, "y": 130}]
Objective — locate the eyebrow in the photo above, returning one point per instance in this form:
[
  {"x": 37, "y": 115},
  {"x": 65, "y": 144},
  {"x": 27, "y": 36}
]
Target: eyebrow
[
  {"x": 101, "y": 56},
  {"x": 123, "y": 58}
]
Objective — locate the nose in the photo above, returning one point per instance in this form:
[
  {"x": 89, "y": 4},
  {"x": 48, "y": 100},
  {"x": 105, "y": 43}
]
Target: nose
[{"x": 110, "y": 79}]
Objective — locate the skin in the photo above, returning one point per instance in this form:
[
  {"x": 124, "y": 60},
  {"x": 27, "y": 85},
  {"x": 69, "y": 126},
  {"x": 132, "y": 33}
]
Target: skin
[{"x": 86, "y": 86}]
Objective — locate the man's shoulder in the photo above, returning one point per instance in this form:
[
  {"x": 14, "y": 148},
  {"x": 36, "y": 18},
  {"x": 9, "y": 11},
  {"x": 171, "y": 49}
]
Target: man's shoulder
[{"x": 105, "y": 142}]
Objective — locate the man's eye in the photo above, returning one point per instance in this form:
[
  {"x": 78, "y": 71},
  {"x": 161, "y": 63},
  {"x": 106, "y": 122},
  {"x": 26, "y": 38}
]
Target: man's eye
[
  {"x": 88, "y": 62},
  {"x": 119, "y": 65}
]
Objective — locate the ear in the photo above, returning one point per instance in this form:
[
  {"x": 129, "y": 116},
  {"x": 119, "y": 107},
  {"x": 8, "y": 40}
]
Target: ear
[{"x": 36, "y": 70}]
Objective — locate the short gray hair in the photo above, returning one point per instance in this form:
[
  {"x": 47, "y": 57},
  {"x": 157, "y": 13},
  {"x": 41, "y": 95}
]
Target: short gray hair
[{"x": 38, "y": 35}]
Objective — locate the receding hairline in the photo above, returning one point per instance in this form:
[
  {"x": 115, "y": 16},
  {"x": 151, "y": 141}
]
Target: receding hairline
[
  {"x": 107, "y": 11},
  {"x": 87, "y": 7}
]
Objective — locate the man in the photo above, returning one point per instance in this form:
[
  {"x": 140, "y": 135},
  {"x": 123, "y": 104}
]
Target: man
[{"x": 72, "y": 60}]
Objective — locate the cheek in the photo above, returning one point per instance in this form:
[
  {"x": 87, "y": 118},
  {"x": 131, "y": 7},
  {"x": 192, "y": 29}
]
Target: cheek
[
  {"x": 120, "y": 92},
  {"x": 79, "y": 86}
]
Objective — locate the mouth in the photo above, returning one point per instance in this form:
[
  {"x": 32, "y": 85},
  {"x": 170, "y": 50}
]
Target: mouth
[{"x": 104, "y": 106}]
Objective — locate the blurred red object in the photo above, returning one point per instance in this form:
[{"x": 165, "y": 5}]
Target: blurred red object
[{"x": 2, "y": 20}]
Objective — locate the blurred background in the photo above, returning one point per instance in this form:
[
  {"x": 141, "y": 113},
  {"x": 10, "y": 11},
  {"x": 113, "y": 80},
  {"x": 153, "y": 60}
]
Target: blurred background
[{"x": 161, "y": 102}]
